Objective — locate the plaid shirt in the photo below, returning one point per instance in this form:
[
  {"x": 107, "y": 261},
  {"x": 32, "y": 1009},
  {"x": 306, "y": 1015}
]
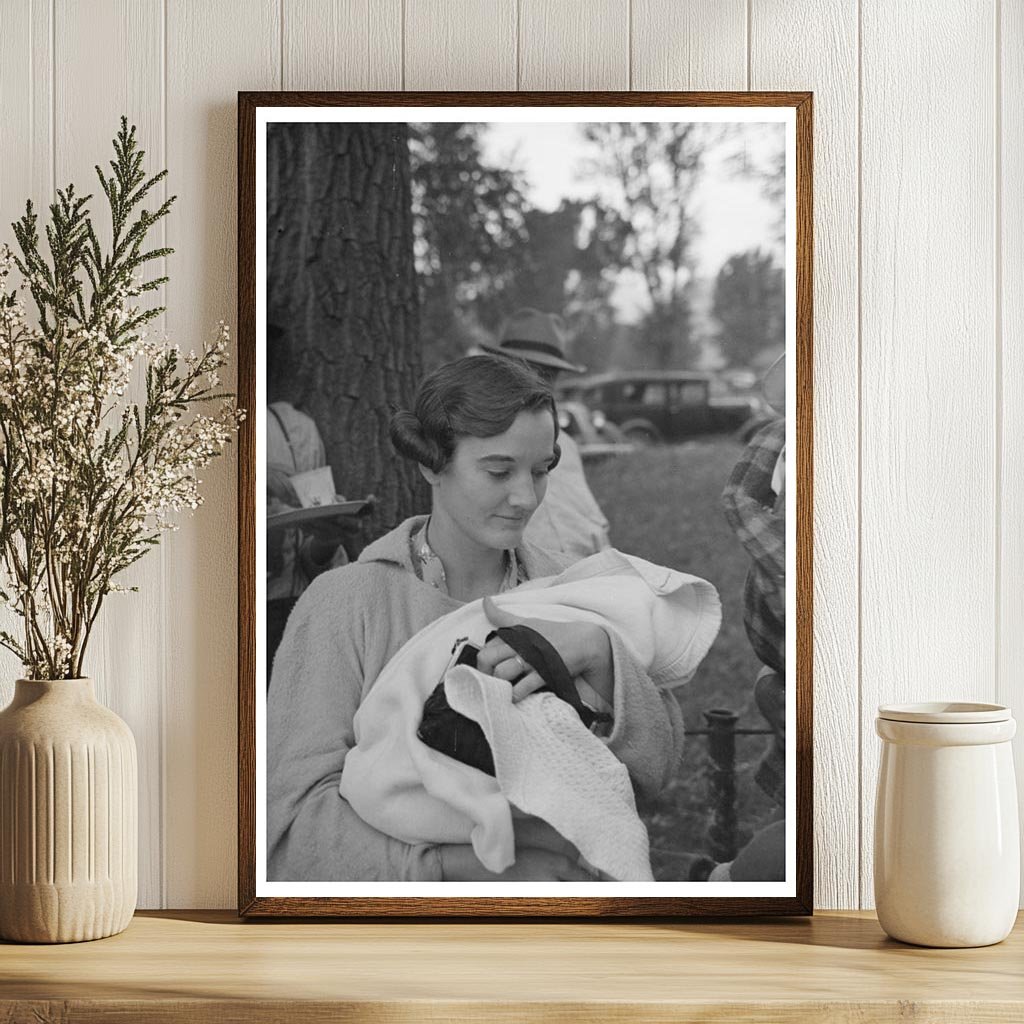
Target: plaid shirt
[{"x": 758, "y": 516}]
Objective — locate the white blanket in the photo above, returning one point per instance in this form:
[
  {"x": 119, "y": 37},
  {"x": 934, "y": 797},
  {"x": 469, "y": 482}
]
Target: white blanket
[{"x": 547, "y": 763}]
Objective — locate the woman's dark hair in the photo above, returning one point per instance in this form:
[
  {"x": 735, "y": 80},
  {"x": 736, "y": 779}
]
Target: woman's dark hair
[{"x": 477, "y": 396}]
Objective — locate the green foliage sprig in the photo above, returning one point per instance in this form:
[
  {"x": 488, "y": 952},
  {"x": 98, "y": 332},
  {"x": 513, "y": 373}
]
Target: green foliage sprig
[{"x": 88, "y": 477}]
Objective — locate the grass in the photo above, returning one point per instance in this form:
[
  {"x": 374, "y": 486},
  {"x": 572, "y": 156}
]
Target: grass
[{"x": 663, "y": 505}]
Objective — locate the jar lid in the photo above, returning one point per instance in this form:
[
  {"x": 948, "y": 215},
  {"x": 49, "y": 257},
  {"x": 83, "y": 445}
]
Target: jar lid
[{"x": 945, "y": 713}]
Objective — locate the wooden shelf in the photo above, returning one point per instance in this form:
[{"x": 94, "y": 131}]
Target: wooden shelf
[{"x": 208, "y": 966}]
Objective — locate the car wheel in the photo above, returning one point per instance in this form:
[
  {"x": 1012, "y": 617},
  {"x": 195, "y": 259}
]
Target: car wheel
[
  {"x": 641, "y": 434},
  {"x": 612, "y": 433}
]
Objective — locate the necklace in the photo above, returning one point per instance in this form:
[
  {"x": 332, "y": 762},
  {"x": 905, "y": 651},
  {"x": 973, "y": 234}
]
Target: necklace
[{"x": 430, "y": 568}]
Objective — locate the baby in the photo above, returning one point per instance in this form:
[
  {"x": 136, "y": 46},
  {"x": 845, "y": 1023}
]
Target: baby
[{"x": 547, "y": 762}]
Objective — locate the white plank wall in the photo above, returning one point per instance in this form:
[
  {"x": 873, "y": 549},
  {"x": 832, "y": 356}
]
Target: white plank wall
[
  {"x": 698, "y": 44},
  {"x": 342, "y": 44},
  {"x": 213, "y": 50},
  {"x": 781, "y": 59},
  {"x": 919, "y": 317},
  {"x": 460, "y": 44},
  {"x": 1009, "y": 317},
  {"x": 928, "y": 514},
  {"x": 574, "y": 44},
  {"x": 128, "y": 81},
  {"x": 26, "y": 164}
]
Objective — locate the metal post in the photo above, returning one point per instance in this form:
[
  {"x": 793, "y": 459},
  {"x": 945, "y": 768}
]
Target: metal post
[{"x": 722, "y": 782}]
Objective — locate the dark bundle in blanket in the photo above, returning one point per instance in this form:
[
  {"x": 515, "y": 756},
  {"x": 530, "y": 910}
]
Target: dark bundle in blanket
[{"x": 451, "y": 733}]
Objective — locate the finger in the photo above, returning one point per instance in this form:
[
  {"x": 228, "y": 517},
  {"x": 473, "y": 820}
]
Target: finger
[
  {"x": 492, "y": 654},
  {"x": 512, "y": 669},
  {"x": 509, "y": 669},
  {"x": 530, "y": 683}
]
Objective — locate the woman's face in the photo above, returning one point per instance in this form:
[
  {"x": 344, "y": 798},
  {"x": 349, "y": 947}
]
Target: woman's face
[{"x": 492, "y": 485}]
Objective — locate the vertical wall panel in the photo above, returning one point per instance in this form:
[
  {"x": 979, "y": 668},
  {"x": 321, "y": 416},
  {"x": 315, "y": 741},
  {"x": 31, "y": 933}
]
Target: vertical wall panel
[
  {"x": 575, "y": 44},
  {"x": 342, "y": 44},
  {"x": 928, "y": 457},
  {"x": 1011, "y": 314},
  {"x": 26, "y": 170},
  {"x": 26, "y": 100},
  {"x": 689, "y": 44},
  {"x": 800, "y": 45},
  {"x": 122, "y": 657},
  {"x": 460, "y": 44},
  {"x": 213, "y": 51}
]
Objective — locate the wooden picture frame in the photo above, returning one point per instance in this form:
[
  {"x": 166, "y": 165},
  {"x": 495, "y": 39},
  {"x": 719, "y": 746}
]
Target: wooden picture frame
[{"x": 259, "y": 897}]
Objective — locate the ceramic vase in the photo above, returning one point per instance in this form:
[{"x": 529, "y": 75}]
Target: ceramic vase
[
  {"x": 68, "y": 815},
  {"x": 947, "y": 847}
]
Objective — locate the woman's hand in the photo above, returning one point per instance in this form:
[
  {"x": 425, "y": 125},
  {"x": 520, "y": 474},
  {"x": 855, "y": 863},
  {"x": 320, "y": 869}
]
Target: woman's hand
[
  {"x": 279, "y": 486},
  {"x": 459, "y": 864},
  {"x": 583, "y": 646}
]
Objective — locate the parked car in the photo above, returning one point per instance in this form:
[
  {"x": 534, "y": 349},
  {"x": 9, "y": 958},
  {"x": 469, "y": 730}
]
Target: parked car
[
  {"x": 651, "y": 406},
  {"x": 595, "y": 436}
]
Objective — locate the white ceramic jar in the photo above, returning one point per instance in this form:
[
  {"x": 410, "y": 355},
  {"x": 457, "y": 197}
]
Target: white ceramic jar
[{"x": 947, "y": 847}]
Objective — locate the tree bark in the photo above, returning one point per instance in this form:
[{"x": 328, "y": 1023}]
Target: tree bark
[{"x": 341, "y": 282}]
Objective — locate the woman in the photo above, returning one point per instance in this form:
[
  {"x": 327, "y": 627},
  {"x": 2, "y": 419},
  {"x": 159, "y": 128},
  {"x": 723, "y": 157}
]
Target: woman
[{"x": 484, "y": 433}]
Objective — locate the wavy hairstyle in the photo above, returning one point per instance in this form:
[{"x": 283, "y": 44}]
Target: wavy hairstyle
[{"x": 476, "y": 396}]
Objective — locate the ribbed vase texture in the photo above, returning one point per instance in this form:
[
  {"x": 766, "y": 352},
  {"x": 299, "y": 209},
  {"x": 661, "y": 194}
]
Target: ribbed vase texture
[{"x": 68, "y": 815}]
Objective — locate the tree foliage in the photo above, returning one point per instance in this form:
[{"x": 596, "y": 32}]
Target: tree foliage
[
  {"x": 482, "y": 250},
  {"x": 750, "y": 306},
  {"x": 88, "y": 477},
  {"x": 655, "y": 169},
  {"x": 769, "y": 172},
  {"x": 471, "y": 239},
  {"x": 569, "y": 268}
]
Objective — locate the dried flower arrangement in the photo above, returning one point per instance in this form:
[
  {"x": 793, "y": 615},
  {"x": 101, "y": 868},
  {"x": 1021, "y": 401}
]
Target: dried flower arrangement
[{"x": 89, "y": 478}]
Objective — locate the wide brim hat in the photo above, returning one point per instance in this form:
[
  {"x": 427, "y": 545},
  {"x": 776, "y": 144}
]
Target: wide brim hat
[
  {"x": 537, "y": 337},
  {"x": 773, "y": 387}
]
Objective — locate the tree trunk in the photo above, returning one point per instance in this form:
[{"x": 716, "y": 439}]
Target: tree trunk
[{"x": 341, "y": 282}]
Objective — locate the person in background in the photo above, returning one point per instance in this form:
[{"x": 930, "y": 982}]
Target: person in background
[
  {"x": 294, "y": 556},
  {"x": 570, "y": 520},
  {"x": 754, "y": 502}
]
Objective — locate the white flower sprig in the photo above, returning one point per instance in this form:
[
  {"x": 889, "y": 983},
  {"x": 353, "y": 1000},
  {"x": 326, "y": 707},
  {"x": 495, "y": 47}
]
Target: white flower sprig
[{"x": 88, "y": 478}]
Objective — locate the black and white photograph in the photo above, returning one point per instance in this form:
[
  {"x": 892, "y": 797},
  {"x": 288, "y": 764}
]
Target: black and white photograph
[{"x": 525, "y": 426}]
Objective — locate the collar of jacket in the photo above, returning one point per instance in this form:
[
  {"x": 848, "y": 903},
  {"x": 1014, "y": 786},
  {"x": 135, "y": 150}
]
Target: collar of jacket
[{"x": 395, "y": 548}]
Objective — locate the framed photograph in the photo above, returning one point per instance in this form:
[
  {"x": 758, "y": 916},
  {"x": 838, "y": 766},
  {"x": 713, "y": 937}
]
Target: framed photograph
[{"x": 525, "y": 504}]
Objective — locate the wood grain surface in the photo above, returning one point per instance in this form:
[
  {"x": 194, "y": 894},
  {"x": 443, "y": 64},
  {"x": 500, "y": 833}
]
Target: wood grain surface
[{"x": 202, "y": 967}]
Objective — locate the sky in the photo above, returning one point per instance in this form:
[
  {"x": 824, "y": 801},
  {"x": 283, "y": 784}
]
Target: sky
[{"x": 732, "y": 212}]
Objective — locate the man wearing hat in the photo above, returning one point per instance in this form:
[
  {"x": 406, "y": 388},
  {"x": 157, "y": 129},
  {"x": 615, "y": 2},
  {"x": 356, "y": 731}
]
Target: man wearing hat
[{"x": 569, "y": 518}]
